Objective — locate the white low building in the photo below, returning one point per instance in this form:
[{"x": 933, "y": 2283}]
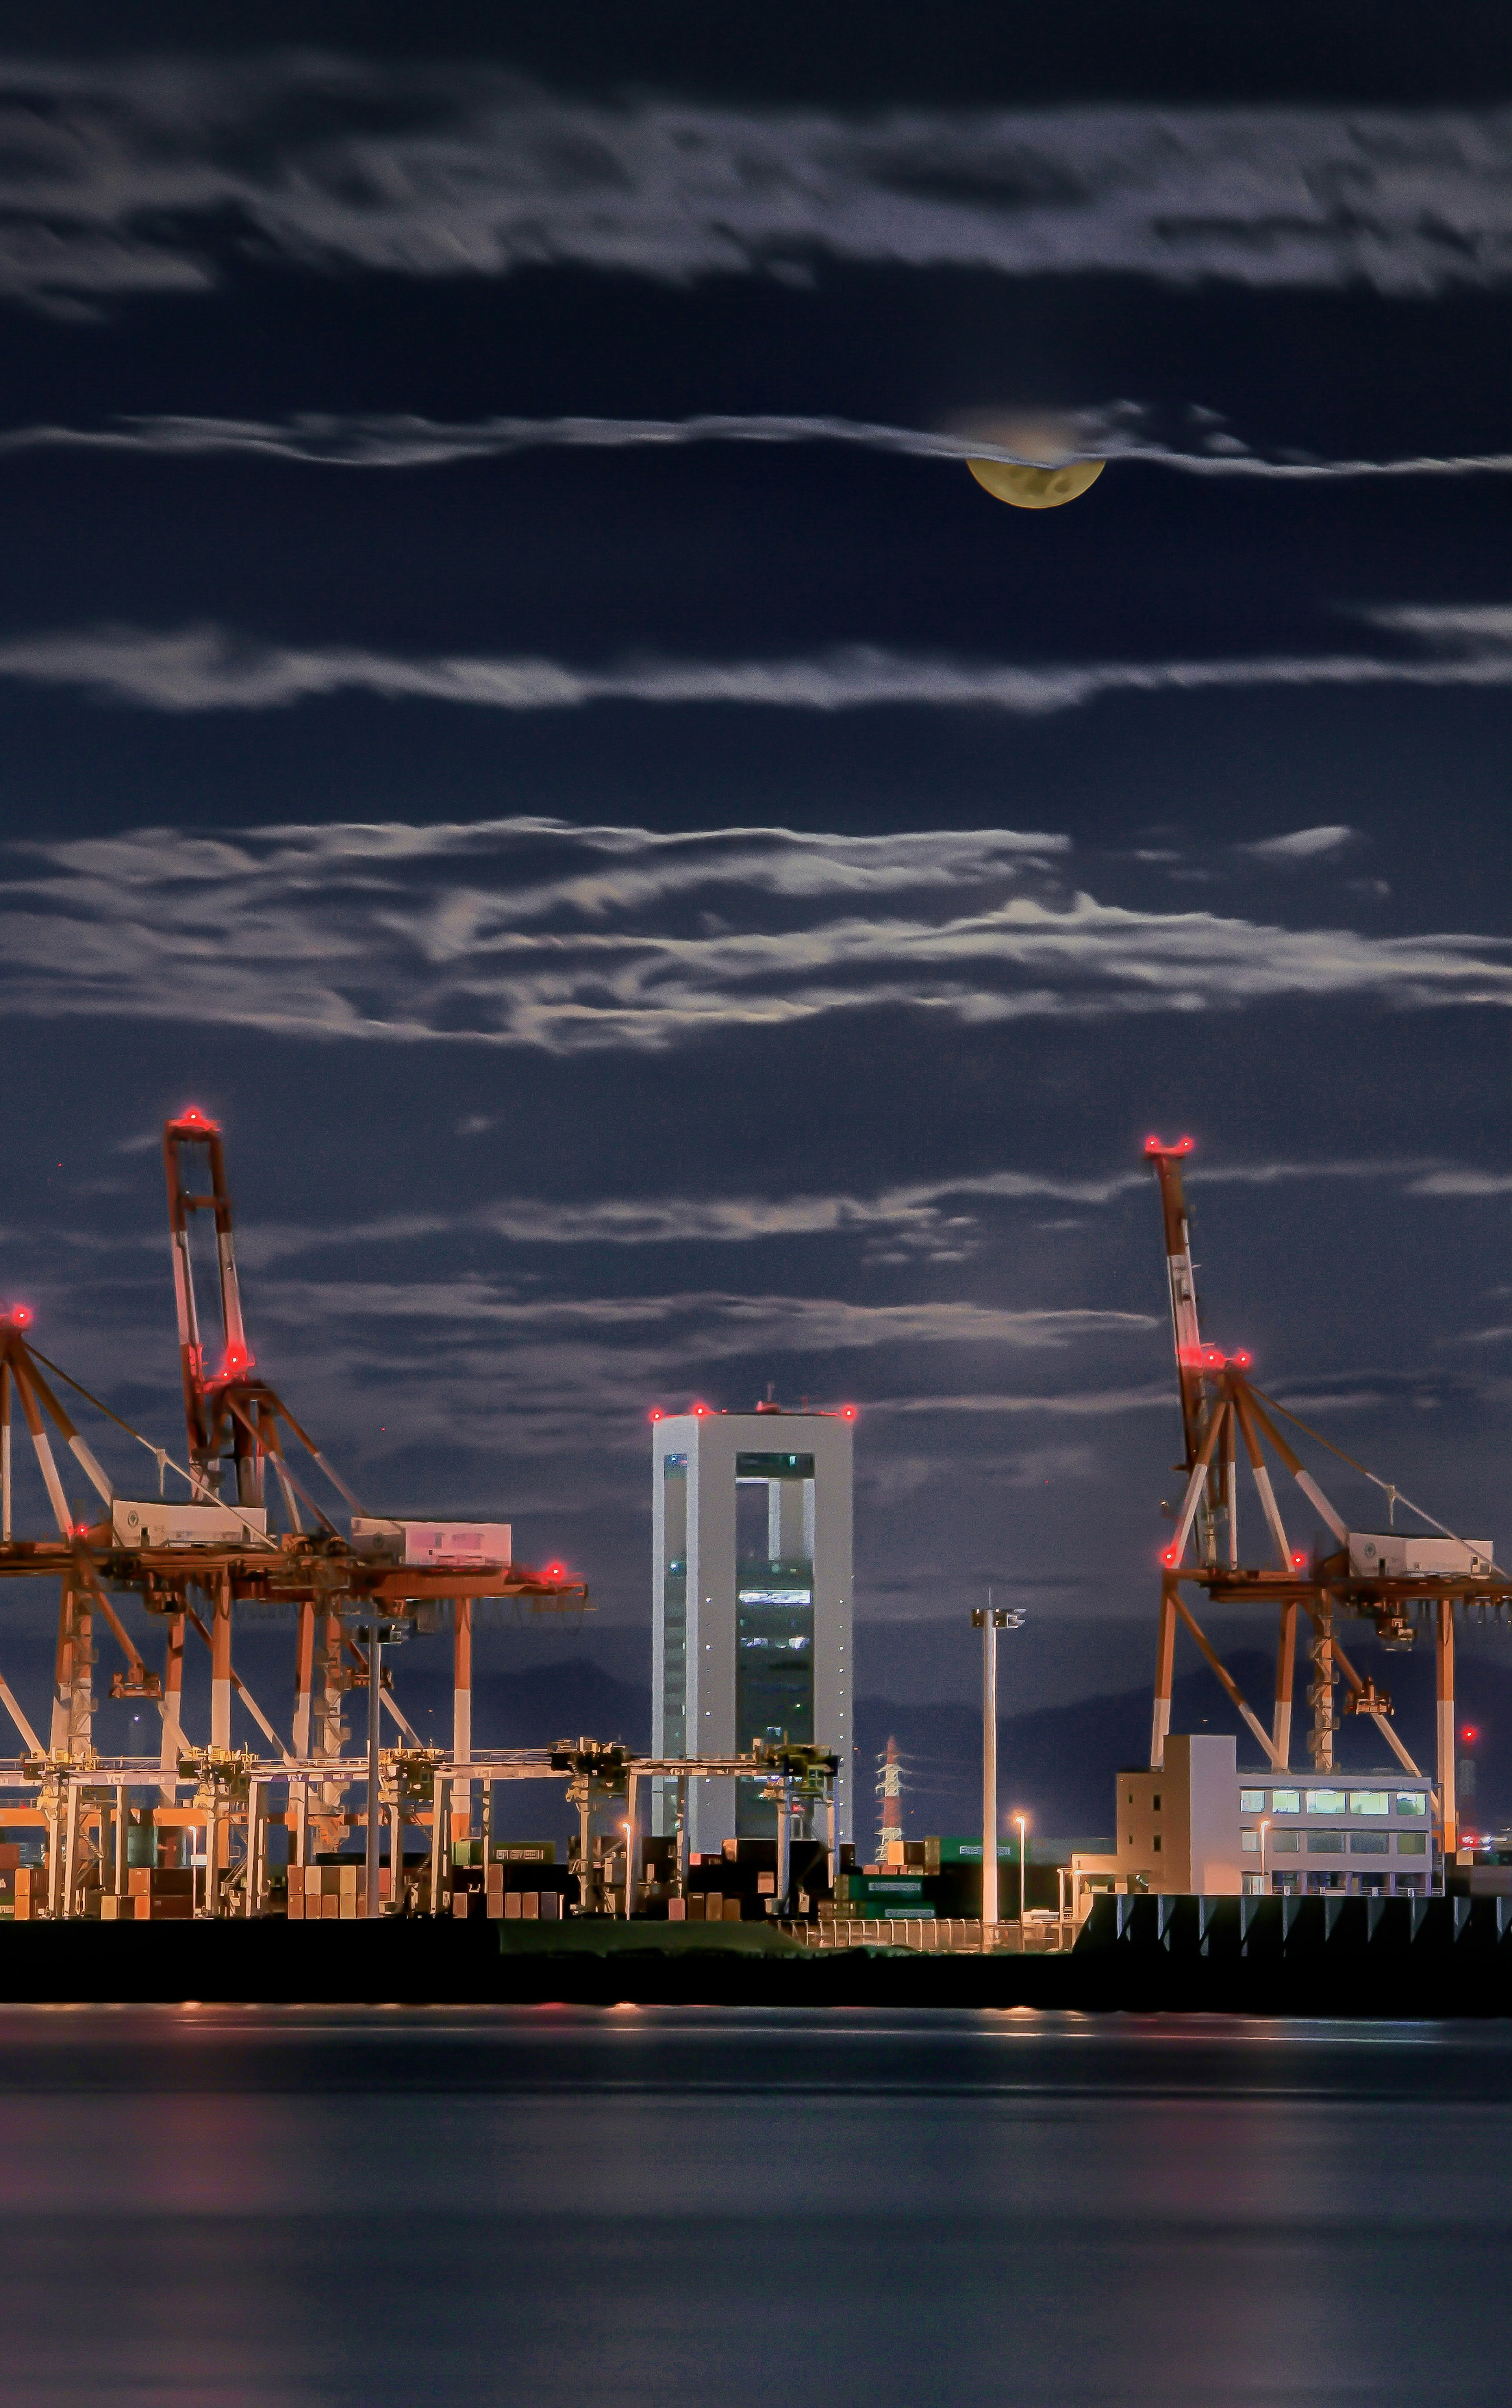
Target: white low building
[{"x": 1200, "y": 1825}]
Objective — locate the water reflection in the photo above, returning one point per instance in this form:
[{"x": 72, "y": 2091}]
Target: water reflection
[{"x": 291, "y": 2206}]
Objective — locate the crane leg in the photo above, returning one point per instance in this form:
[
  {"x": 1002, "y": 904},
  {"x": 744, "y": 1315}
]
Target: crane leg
[
  {"x": 1445, "y": 1652},
  {"x": 462, "y": 1714},
  {"x": 1284, "y": 1663},
  {"x": 1165, "y": 1666}
]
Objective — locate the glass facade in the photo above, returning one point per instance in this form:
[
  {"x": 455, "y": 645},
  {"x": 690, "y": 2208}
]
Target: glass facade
[
  {"x": 774, "y": 1671},
  {"x": 774, "y": 1467}
]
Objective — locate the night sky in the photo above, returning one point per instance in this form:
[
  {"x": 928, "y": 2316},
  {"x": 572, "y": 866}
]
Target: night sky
[{"x": 510, "y": 699}]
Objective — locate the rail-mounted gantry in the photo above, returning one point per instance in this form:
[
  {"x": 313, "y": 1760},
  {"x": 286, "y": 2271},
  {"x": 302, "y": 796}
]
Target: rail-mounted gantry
[
  {"x": 189, "y": 1562},
  {"x": 1391, "y": 1582}
]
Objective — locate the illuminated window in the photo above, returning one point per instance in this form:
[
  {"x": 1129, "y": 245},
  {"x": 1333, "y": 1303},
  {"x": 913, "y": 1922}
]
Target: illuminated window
[
  {"x": 1369, "y": 1802},
  {"x": 1286, "y": 1802},
  {"x": 1411, "y": 1802},
  {"x": 1412, "y": 1843},
  {"x": 1251, "y": 1802},
  {"x": 1325, "y": 1801},
  {"x": 1369, "y": 1844}
]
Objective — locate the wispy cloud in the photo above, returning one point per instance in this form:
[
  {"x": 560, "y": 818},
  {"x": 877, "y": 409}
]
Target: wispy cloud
[
  {"x": 535, "y": 933},
  {"x": 1463, "y": 1183},
  {"x": 927, "y": 1218},
  {"x": 1082, "y": 1405},
  {"x": 728, "y": 1326},
  {"x": 124, "y": 177},
  {"x": 206, "y": 668},
  {"x": 317, "y": 438},
  {"x": 1302, "y": 844}
]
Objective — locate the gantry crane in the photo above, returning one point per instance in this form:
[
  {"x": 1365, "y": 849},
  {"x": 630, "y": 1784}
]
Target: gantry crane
[
  {"x": 1389, "y": 1581},
  {"x": 217, "y": 1549}
]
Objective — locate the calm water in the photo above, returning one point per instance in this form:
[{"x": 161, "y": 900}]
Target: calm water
[{"x": 291, "y": 2206}]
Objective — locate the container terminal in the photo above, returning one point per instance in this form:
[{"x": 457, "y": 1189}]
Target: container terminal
[{"x": 742, "y": 1814}]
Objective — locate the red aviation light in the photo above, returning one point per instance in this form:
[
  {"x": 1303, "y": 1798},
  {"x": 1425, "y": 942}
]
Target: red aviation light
[
  {"x": 1171, "y": 1555},
  {"x": 18, "y": 1315},
  {"x": 1298, "y": 1560},
  {"x": 238, "y": 1360},
  {"x": 702, "y": 1412},
  {"x": 1243, "y": 1359},
  {"x": 556, "y": 1571},
  {"x": 1469, "y": 1734},
  {"x": 847, "y": 1412},
  {"x": 1158, "y": 1145},
  {"x": 655, "y": 1413}
]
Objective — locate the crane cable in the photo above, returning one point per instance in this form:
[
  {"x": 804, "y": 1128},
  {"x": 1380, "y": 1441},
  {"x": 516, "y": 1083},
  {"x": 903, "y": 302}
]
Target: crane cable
[
  {"x": 1392, "y": 1492},
  {"x": 160, "y": 1453}
]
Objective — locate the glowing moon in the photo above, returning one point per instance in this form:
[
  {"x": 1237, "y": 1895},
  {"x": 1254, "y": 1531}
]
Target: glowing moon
[{"x": 1030, "y": 488}]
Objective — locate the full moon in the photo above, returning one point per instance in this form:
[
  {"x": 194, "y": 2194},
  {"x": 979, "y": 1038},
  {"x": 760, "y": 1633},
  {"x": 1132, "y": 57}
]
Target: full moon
[{"x": 1030, "y": 488}]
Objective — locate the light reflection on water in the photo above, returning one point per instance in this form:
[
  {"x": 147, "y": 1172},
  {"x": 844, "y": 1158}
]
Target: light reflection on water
[{"x": 251, "y": 2206}]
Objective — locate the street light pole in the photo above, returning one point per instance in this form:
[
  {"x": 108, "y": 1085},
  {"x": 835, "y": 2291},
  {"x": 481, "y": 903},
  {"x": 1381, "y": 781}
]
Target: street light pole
[
  {"x": 1023, "y": 1821},
  {"x": 988, "y": 1620},
  {"x": 1263, "y": 1828}
]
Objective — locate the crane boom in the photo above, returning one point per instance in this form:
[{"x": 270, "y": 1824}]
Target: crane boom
[
  {"x": 1186, "y": 1330},
  {"x": 205, "y": 1392}
]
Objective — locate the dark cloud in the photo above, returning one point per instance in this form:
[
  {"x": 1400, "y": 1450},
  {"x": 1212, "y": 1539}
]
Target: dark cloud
[{"x": 120, "y": 181}]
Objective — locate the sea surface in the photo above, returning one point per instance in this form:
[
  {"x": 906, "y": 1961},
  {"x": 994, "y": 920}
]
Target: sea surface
[{"x": 702, "y": 2209}]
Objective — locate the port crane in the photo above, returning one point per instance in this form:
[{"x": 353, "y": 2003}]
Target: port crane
[
  {"x": 1391, "y": 1582},
  {"x": 189, "y": 1563}
]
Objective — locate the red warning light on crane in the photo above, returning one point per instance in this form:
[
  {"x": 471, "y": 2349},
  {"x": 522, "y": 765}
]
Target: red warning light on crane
[
  {"x": 1158, "y": 1145},
  {"x": 847, "y": 1412},
  {"x": 655, "y": 1413}
]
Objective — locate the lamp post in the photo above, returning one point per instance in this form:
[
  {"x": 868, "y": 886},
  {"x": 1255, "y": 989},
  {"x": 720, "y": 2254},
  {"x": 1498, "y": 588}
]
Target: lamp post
[
  {"x": 1023, "y": 1821},
  {"x": 988, "y": 1620},
  {"x": 1264, "y": 1826}
]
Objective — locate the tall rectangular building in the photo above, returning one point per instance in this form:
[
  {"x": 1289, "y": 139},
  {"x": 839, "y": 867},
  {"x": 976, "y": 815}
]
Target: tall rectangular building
[{"x": 752, "y": 1597}]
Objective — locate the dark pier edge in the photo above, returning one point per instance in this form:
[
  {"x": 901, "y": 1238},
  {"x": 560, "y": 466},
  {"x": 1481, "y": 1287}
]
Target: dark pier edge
[{"x": 1454, "y": 1960}]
